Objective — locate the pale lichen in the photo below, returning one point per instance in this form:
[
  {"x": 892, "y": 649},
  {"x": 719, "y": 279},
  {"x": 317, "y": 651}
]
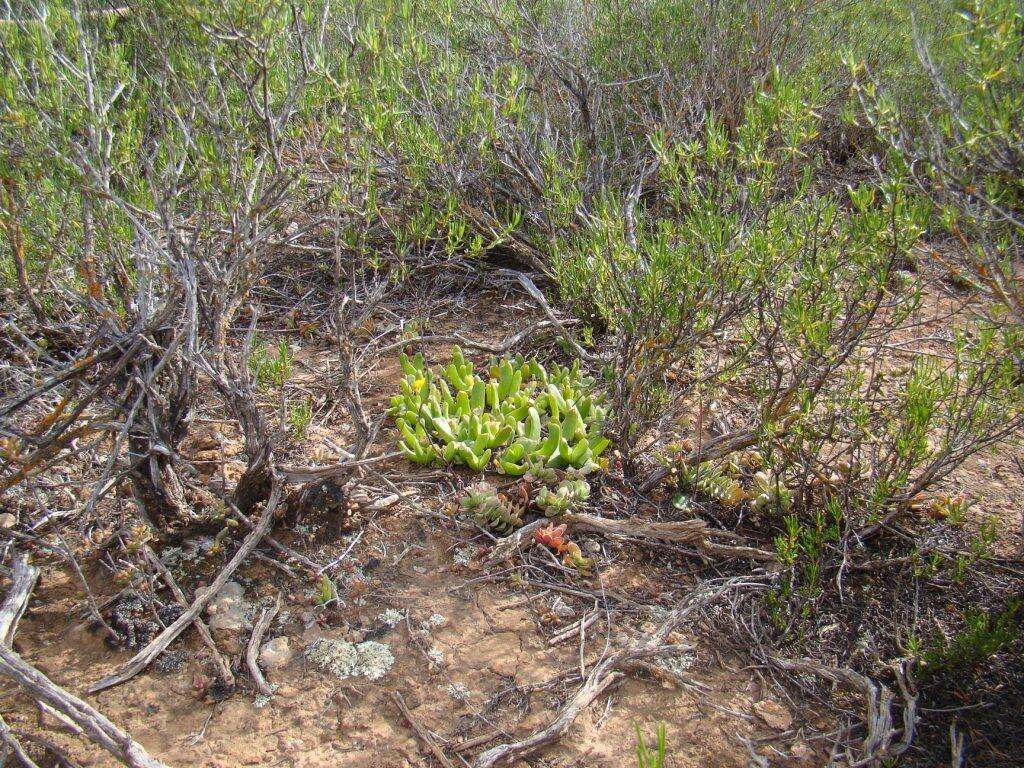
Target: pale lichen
[
  {"x": 375, "y": 659},
  {"x": 458, "y": 691},
  {"x": 341, "y": 658},
  {"x": 391, "y": 617},
  {"x": 463, "y": 556}
]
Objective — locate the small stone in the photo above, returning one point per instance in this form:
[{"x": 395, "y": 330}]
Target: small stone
[
  {"x": 229, "y": 622},
  {"x": 7, "y": 521},
  {"x": 231, "y": 590},
  {"x": 773, "y": 714},
  {"x": 561, "y": 609},
  {"x": 276, "y": 653}
]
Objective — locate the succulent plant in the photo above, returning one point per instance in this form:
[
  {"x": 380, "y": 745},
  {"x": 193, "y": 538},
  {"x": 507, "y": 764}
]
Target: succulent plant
[
  {"x": 768, "y": 491},
  {"x": 566, "y": 496},
  {"x": 714, "y": 482},
  {"x": 518, "y": 419},
  {"x": 491, "y": 509},
  {"x": 573, "y": 557}
]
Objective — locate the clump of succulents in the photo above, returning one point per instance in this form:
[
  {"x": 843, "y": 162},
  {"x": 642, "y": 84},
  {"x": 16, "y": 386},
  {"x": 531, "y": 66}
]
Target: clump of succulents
[
  {"x": 519, "y": 418},
  {"x": 768, "y": 491},
  {"x": 491, "y": 509},
  {"x": 715, "y": 482},
  {"x": 564, "y": 497},
  {"x": 727, "y": 482},
  {"x": 554, "y": 537}
]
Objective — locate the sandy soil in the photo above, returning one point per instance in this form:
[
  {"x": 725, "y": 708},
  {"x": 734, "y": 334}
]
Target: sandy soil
[{"x": 494, "y": 647}]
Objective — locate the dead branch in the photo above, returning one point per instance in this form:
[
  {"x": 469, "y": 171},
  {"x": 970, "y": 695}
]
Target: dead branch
[
  {"x": 145, "y": 657},
  {"x": 61, "y": 758},
  {"x": 12, "y": 743},
  {"x": 275, "y": 544},
  {"x": 537, "y": 296},
  {"x": 514, "y": 543},
  {"x": 714, "y": 448},
  {"x": 598, "y": 681},
  {"x": 223, "y": 669},
  {"x": 573, "y": 629},
  {"x": 96, "y": 725},
  {"x": 253, "y": 648},
  {"x": 878, "y": 743},
  {"x": 24, "y": 581},
  {"x": 501, "y": 348},
  {"x": 341, "y": 469},
  {"x": 694, "y": 532}
]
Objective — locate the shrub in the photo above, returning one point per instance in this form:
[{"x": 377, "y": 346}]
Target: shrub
[
  {"x": 983, "y": 635},
  {"x": 969, "y": 161}
]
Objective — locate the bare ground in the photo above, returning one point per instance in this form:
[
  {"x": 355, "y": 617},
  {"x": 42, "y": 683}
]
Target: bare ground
[{"x": 487, "y": 674}]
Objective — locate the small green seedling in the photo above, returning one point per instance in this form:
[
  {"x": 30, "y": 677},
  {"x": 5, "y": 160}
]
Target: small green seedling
[{"x": 645, "y": 758}]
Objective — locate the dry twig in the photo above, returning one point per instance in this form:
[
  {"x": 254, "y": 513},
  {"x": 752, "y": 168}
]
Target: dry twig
[
  {"x": 252, "y": 650},
  {"x": 421, "y": 732}
]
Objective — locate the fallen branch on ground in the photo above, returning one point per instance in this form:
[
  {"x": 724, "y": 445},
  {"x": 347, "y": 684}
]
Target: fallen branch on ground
[
  {"x": 878, "y": 743},
  {"x": 223, "y": 669},
  {"x": 500, "y": 348},
  {"x": 11, "y": 742},
  {"x": 341, "y": 469},
  {"x": 609, "y": 671},
  {"x": 254, "y": 646},
  {"x": 537, "y": 296},
  {"x": 421, "y": 732},
  {"x": 695, "y": 532}
]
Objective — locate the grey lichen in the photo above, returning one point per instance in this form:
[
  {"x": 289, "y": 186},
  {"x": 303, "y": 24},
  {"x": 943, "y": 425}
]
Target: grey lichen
[
  {"x": 375, "y": 659},
  {"x": 335, "y": 656},
  {"x": 341, "y": 658},
  {"x": 463, "y": 556},
  {"x": 392, "y": 617},
  {"x": 458, "y": 691}
]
